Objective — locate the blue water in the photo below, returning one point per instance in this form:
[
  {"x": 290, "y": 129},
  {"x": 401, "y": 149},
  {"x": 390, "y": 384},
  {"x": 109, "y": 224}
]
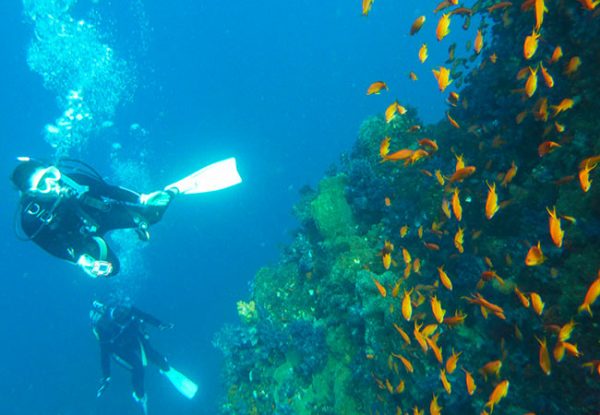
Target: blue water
[{"x": 279, "y": 85}]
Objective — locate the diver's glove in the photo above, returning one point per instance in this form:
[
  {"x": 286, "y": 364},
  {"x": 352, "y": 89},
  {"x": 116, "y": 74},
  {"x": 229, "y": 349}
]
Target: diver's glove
[
  {"x": 104, "y": 382},
  {"x": 94, "y": 268},
  {"x": 158, "y": 198}
]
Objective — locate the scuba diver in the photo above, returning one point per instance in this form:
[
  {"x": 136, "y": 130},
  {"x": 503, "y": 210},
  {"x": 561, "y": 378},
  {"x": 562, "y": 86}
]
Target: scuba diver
[
  {"x": 67, "y": 208},
  {"x": 120, "y": 330}
]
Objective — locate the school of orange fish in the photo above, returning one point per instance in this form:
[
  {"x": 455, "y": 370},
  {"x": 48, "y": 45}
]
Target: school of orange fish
[{"x": 430, "y": 325}]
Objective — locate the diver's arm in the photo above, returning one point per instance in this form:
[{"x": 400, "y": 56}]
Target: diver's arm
[{"x": 150, "y": 319}]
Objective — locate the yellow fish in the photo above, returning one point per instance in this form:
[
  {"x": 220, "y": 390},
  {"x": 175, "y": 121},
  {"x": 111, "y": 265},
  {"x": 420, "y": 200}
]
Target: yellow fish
[{"x": 443, "y": 27}]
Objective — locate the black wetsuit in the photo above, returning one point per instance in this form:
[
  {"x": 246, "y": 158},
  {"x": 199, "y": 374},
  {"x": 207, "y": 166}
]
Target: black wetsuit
[
  {"x": 70, "y": 225},
  {"x": 121, "y": 336}
]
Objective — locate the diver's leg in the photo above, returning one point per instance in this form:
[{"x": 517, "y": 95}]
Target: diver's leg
[{"x": 155, "y": 357}]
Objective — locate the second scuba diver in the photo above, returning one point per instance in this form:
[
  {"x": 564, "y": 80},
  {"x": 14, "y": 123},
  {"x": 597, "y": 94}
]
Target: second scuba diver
[
  {"x": 120, "y": 330},
  {"x": 67, "y": 208}
]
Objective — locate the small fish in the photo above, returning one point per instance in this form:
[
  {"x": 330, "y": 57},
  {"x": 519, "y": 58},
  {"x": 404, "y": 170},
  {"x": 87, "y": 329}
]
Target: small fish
[
  {"x": 437, "y": 310},
  {"x": 572, "y": 65},
  {"x": 453, "y": 98},
  {"x": 447, "y": 386},
  {"x": 413, "y": 76},
  {"x": 427, "y": 142},
  {"x": 443, "y": 27},
  {"x": 591, "y": 295},
  {"x": 384, "y": 147},
  {"x": 407, "y": 305},
  {"x": 469, "y": 382},
  {"x": 531, "y": 83},
  {"x": 376, "y": 88},
  {"x": 556, "y": 55},
  {"x": 434, "y": 407},
  {"x": 584, "y": 177},
  {"x": 530, "y": 45},
  {"x": 522, "y": 297},
  {"x": 559, "y": 127},
  {"x": 565, "y": 331},
  {"x": 431, "y": 246},
  {"x": 556, "y": 232},
  {"x": 589, "y": 4},
  {"x": 417, "y": 24},
  {"x": 380, "y": 287},
  {"x": 439, "y": 177},
  {"x": 443, "y": 77},
  {"x": 417, "y": 266},
  {"x": 478, "y": 45},
  {"x": 548, "y": 80},
  {"x": 423, "y": 53},
  {"x": 540, "y": 9},
  {"x": 564, "y": 105},
  {"x": 420, "y": 232},
  {"x": 452, "y": 362},
  {"x": 460, "y": 174},
  {"x": 456, "y": 206},
  {"x": 390, "y": 111},
  {"x": 493, "y": 57},
  {"x": 387, "y": 260},
  {"x": 406, "y": 256},
  {"x": 571, "y": 349},
  {"x": 403, "y": 231},
  {"x": 491, "y": 368},
  {"x": 446, "y": 282},
  {"x": 498, "y": 6},
  {"x": 402, "y": 333},
  {"x": 499, "y": 392},
  {"x": 452, "y": 120},
  {"x": 387, "y": 202},
  {"x": 510, "y": 174},
  {"x": 366, "y": 7},
  {"x": 407, "y": 364},
  {"x": 544, "y": 357},
  {"x": 457, "y": 319},
  {"x": 458, "y": 243},
  {"x": 537, "y": 303},
  {"x": 520, "y": 117},
  {"x": 491, "y": 203},
  {"x": 547, "y": 147},
  {"x": 535, "y": 256}
]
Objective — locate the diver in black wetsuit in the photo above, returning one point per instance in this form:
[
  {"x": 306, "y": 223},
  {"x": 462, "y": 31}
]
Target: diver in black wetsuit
[
  {"x": 120, "y": 331},
  {"x": 68, "y": 208}
]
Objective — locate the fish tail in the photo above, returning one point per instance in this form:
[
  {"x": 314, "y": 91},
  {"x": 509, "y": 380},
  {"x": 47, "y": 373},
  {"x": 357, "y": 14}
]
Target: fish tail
[{"x": 585, "y": 307}]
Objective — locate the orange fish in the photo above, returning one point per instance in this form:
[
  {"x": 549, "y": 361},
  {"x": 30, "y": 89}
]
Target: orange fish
[
  {"x": 544, "y": 357},
  {"x": 470, "y": 382},
  {"x": 413, "y": 76},
  {"x": 537, "y": 303},
  {"x": 443, "y": 77},
  {"x": 556, "y": 55},
  {"x": 540, "y": 9},
  {"x": 591, "y": 295},
  {"x": 491, "y": 203},
  {"x": 456, "y": 319},
  {"x": 407, "y": 364},
  {"x": 403, "y": 154},
  {"x": 434, "y": 407},
  {"x": 493, "y": 58},
  {"x": 452, "y": 120},
  {"x": 452, "y": 362},
  {"x": 486, "y": 305},
  {"x": 460, "y": 163},
  {"x": 402, "y": 333},
  {"x": 366, "y": 7},
  {"x": 387, "y": 260},
  {"x": 531, "y": 83},
  {"x": 499, "y": 392},
  {"x": 406, "y": 256},
  {"x": 549, "y": 81},
  {"x": 589, "y": 4},
  {"x": 478, "y": 45},
  {"x": 437, "y": 351},
  {"x": 572, "y": 66},
  {"x": 417, "y": 24},
  {"x": 446, "y": 282},
  {"x": 376, "y": 88},
  {"x": 407, "y": 305},
  {"x": 417, "y": 266},
  {"x": 492, "y": 367},
  {"x": 456, "y": 206},
  {"x": 437, "y": 310},
  {"x": 547, "y": 147},
  {"x": 564, "y": 105},
  {"x": 498, "y": 6},
  {"x": 559, "y": 127},
  {"x": 423, "y": 53},
  {"x": 380, "y": 287},
  {"x": 447, "y": 386},
  {"x": 431, "y": 246},
  {"x": 443, "y": 27},
  {"x": 384, "y": 147},
  {"x": 403, "y": 231},
  {"x": 522, "y": 297},
  {"x": 461, "y": 174},
  {"x": 565, "y": 331},
  {"x": 556, "y": 232},
  {"x": 584, "y": 177},
  {"x": 535, "y": 256},
  {"x": 427, "y": 142},
  {"x": 530, "y": 45},
  {"x": 390, "y": 111},
  {"x": 458, "y": 243},
  {"x": 510, "y": 174}
]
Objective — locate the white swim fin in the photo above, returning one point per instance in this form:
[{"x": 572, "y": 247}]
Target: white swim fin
[
  {"x": 213, "y": 177},
  {"x": 184, "y": 385}
]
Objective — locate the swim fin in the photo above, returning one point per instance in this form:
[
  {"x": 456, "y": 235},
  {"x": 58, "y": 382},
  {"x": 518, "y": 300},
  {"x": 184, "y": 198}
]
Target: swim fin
[
  {"x": 216, "y": 176},
  {"x": 184, "y": 385}
]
